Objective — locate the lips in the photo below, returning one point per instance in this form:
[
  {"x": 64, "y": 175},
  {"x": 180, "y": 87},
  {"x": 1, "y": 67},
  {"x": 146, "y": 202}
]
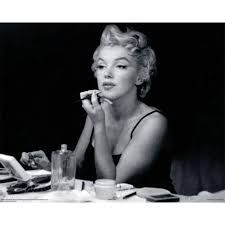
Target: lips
[{"x": 108, "y": 85}]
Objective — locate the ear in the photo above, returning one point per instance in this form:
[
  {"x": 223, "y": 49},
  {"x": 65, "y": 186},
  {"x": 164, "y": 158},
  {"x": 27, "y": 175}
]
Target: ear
[{"x": 139, "y": 80}]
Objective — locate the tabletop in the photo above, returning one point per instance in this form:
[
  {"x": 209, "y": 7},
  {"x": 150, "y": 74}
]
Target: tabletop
[
  {"x": 76, "y": 195},
  {"x": 84, "y": 192}
]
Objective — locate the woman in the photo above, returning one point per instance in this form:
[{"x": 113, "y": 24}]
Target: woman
[{"x": 123, "y": 138}]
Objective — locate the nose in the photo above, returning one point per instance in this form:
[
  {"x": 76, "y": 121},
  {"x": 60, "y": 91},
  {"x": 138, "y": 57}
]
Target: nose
[{"x": 108, "y": 73}]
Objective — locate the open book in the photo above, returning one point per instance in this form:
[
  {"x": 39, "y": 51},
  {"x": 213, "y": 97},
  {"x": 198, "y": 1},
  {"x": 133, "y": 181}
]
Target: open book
[{"x": 17, "y": 171}]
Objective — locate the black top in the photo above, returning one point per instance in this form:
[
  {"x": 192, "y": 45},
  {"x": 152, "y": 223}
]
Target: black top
[{"x": 156, "y": 176}]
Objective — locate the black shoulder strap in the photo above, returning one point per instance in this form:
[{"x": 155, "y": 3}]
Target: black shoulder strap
[
  {"x": 131, "y": 135},
  {"x": 92, "y": 133}
]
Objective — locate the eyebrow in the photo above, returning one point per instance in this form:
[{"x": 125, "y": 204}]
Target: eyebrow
[
  {"x": 101, "y": 59},
  {"x": 123, "y": 58},
  {"x": 117, "y": 59}
]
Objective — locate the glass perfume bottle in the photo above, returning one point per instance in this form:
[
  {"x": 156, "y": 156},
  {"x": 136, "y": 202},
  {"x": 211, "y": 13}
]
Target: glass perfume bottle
[{"x": 63, "y": 167}]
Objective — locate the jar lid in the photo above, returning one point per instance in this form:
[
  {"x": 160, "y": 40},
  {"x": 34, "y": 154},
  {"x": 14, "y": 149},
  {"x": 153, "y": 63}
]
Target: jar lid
[{"x": 105, "y": 182}]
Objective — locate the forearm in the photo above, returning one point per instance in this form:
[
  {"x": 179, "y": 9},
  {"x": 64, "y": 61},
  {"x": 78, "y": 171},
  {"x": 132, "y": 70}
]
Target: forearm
[
  {"x": 105, "y": 167},
  {"x": 83, "y": 142}
]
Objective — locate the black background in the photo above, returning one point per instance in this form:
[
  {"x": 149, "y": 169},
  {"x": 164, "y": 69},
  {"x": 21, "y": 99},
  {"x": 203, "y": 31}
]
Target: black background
[{"x": 44, "y": 67}]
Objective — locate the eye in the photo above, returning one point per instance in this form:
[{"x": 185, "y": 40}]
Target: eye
[
  {"x": 100, "y": 67},
  {"x": 122, "y": 67}
]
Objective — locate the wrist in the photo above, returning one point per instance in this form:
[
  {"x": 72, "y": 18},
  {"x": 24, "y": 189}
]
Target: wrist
[
  {"x": 98, "y": 120},
  {"x": 99, "y": 127}
]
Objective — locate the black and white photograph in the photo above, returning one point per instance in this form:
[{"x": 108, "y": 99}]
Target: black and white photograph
[{"x": 113, "y": 112}]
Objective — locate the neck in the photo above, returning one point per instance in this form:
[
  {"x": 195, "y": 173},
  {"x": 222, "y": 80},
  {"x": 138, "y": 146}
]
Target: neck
[{"x": 124, "y": 107}]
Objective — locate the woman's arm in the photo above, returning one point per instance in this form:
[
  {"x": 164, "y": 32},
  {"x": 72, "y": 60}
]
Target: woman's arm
[
  {"x": 83, "y": 141},
  {"x": 105, "y": 167},
  {"x": 144, "y": 147}
]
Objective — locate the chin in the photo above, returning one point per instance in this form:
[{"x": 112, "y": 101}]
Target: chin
[
  {"x": 113, "y": 96},
  {"x": 109, "y": 95}
]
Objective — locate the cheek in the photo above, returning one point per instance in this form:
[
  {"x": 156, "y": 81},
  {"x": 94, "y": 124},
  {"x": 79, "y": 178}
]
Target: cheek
[
  {"x": 99, "y": 74},
  {"x": 98, "y": 78},
  {"x": 129, "y": 79}
]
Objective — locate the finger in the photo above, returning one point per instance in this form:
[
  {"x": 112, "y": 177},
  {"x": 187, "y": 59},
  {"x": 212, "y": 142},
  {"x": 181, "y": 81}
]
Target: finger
[
  {"x": 24, "y": 158},
  {"x": 86, "y": 93},
  {"x": 39, "y": 153},
  {"x": 36, "y": 163},
  {"x": 107, "y": 100},
  {"x": 87, "y": 105},
  {"x": 30, "y": 163},
  {"x": 33, "y": 164},
  {"x": 37, "y": 160},
  {"x": 100, "y": 100},
  {"x": 100, "y": 94},
  {"x": 103, "y": 99},
  {"x": 94, "y": 99}
]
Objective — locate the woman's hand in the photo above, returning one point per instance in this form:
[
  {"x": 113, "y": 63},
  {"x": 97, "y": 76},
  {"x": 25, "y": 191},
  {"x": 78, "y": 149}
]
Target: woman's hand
[
  {"x": 36, "y": 160},
  {"x": 93, "y": 106}
]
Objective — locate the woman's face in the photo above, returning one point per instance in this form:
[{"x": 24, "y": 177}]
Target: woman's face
[{"x": 116, "y": 72}]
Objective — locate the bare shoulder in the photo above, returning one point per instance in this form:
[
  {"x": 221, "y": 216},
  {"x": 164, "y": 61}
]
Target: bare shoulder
[
  {"x": 152, "y": 121},
  {"x": 156, "y": 120}
]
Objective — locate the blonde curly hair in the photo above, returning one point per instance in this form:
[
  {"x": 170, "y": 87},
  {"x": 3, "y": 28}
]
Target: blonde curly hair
[{"x": 136, "y": 43}]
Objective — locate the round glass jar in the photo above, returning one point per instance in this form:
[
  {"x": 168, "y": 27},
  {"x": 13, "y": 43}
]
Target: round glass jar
[{"x": 105, "y": 188}]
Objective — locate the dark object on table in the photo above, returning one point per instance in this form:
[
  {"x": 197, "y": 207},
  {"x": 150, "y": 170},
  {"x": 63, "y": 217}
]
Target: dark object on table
[
  {"x": 163, "y": 198},
  {"x": 8, "y": 179},
  {"x": 129, "y": 195},
  {"x": 40, "y": 183}
]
